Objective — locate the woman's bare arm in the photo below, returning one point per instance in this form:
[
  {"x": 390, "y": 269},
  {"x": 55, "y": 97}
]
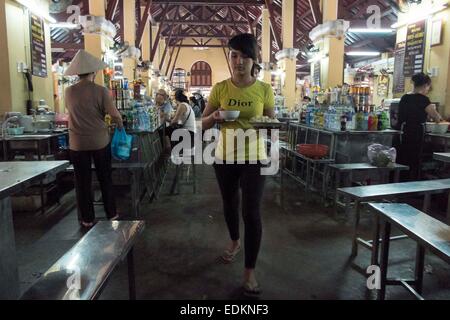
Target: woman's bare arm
[
  {"x": 210, "y": 116},
  {"x": 431, "y": 111},
  {"x": 181, "y": 109},
  {"x": 269, "y": 112}
]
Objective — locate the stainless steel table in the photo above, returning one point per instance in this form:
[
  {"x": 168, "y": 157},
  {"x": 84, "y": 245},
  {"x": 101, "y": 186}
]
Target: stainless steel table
[
  {"x": 425, "y": 230},
  {"x": 39, "y": 143},
  {"x": 14, "y": 177},
  {"x": 345, "y": 146},
  {"x": 381, "y": 191},
  {"x": 444, "y": 157}
]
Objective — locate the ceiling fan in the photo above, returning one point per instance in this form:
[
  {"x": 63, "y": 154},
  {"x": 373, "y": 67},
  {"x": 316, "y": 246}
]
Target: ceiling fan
[{"x": 59, "y": 6}]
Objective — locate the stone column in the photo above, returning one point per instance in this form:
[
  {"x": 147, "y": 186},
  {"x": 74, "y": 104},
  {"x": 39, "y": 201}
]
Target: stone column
[
  {"x": 129, "y": 31},
  {"x": 266, "y": 46}
]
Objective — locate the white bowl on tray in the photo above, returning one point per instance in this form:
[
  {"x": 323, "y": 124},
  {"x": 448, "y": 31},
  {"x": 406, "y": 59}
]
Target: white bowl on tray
[{"x": 229, "y": 115}]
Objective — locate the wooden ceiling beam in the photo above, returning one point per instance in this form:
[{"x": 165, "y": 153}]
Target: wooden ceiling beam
[{"x": 273, "y": 25}]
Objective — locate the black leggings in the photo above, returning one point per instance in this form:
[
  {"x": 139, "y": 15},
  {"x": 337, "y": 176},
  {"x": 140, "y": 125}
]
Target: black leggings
[
  {"x": 248, "y": 177},
  {"x": 83, "y": 181}
]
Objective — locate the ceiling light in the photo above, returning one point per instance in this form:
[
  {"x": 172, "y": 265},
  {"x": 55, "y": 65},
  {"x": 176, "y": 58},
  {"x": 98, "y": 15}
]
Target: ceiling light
[
  {"x": 363, "y": 53},
  {"x": 420, "y": 15},
  {"x": 36, "y": 10},
  {"x": 65, "y": 25},
  {"x": 370, "y": 30}
]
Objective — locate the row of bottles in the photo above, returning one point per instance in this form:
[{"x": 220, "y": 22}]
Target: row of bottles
[
  {"x": 344, "y": 117},
  {"x": 143, "y": 116}
]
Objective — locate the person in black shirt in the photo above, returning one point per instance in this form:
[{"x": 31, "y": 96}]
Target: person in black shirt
[{"x": 414, "y": 109}]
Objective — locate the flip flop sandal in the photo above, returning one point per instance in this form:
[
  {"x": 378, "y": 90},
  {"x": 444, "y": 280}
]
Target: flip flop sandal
[
  {"x": 251, "y": 291},
  {"x": 229, "y": 256},
  {"x": 86, "y": 224}
]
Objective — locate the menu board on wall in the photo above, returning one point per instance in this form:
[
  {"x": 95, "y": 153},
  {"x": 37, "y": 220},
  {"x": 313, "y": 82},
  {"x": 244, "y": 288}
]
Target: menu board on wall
[
  {"x": 399, "y": 58},
  {"x": 316, "y": 73},
  {"x": 38, "y": 56},
  {"x": 415, "y": 48}
]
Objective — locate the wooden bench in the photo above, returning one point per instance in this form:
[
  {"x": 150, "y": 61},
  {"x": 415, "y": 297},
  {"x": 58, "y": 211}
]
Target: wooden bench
[
  {"x": 345, "y": 171},
  {"x": 380, "y": 192},
  {"x": 425, "y": 230},
  {"x": 82, "y": 273}
]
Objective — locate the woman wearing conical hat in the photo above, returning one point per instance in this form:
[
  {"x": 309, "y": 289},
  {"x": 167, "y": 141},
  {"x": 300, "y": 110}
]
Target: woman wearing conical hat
[{"x": 89, "y": 138}]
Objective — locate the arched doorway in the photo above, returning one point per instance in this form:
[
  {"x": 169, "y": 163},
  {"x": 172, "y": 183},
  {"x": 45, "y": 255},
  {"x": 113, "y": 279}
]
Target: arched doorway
[{"x": 201, "y": 74}]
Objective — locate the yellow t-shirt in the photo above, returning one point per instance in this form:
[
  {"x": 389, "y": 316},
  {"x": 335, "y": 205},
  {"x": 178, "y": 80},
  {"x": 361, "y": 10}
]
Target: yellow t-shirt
[{"x": 250, "y": 101}]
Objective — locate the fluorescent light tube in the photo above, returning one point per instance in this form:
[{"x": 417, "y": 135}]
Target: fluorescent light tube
[
  {"x": 363, "y": 53},
  {"x": 65, "y": 25},
  {"x": 368, "y": 30}
]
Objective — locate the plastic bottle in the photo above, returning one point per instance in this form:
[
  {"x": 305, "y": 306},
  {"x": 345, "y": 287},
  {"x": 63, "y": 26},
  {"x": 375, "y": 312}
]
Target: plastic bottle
[
  {"x": 365, "y": 123},
  {"x": 373, "y": 121}
]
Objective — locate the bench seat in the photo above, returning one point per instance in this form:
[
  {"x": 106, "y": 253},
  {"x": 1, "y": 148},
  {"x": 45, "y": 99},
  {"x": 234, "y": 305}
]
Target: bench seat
[
  {"x": 382, "y": 191},
  {"x": 83, "y": 271},
  {"x": 428, "y": 232}
]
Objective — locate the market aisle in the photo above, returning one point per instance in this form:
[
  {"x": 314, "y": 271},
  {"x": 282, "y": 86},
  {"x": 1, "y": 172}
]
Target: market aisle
[{"x": 303, "y": 256}]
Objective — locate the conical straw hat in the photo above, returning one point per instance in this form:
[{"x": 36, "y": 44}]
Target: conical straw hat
[{"x": 84, "y": 63}]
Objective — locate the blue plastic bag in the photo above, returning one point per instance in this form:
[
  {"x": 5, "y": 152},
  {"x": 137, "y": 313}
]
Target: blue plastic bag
[{"x": 121, "y": 144}]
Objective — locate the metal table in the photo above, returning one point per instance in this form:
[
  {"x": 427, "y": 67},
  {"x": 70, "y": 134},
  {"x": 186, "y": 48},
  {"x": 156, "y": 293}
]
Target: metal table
[
  {"x": 381, "y": 191},
  {"x": 439, "y": 139},
  {"x": 14, "y": 177},
  {"x": 345, "y": 146},
  {"x": 425, "y": 230},
  {"x": 348, "y": 169},
  {"x": 444, "y": 157},
  {"x": 39, "y": 143}
]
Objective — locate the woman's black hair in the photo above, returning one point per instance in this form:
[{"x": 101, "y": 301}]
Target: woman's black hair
[
  {"x": 421, "y": 79},
  {"x": 180, "y": 96},
  {"x": 247, "y": 44}
]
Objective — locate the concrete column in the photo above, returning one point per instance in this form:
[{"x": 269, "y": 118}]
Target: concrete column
[
  {"x": 332, "y": 67},
  {"x": 95, "y": 44},
  {"x": 155, "y": 62},
  {"x": 265, "y": 42},
  {"x": 5, "y": 79},
  {"x": 145, "y": 47},
  {"x": 289, "y": 62},
  {"x": 129, "y": 31}
]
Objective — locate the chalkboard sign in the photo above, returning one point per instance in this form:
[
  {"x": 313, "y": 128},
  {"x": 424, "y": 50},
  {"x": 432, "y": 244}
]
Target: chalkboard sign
[
  {"x": 399, "y": 58},
  {"x": 317, "y": 73},
  {"x": 38, "y": 55},
  {"x": 415, "y": 48}
]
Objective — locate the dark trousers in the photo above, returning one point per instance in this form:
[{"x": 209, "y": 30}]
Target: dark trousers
[
  {"x": 248, "y": 178},
  {"x": 83, "y": 181}
]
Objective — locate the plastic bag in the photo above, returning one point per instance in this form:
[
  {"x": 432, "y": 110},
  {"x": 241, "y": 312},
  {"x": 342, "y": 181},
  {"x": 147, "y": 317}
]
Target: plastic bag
[
  {"x": 121, "y": 145},
  {"x": 381, "y": 156}
]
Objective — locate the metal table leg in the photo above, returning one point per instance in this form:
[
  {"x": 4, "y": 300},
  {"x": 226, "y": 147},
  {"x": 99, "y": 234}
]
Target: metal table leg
[
  {"x": 375, "y": 240},
  {"x": 9, "y": 274},
  {"x": 384, "y": 259},
  {"x": 135, "y": 192},
  {"x": 426, "y": 203},
  {"x": 131, "y": 277},
  {"x": 420, "y": 259},
  {"x": 355, "y": 230}
]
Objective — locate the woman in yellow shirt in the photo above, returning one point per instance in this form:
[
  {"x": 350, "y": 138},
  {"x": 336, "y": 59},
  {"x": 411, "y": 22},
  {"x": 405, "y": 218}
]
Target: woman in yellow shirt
[{"x": 242, "y": 92}]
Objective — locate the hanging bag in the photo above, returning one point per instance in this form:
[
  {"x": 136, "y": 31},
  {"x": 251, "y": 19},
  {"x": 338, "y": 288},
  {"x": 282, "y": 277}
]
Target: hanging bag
[{"x": 121, "y": 144}]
